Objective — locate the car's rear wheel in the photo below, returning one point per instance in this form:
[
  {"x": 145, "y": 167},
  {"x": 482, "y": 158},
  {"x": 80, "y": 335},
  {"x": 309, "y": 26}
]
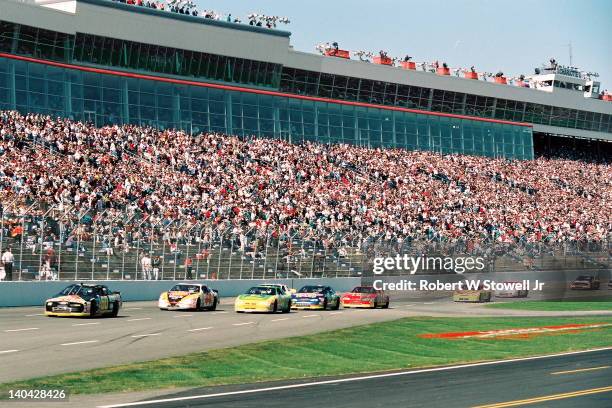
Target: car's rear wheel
[
  {"x": 288, "y": 308},
  {"x": 93, "y": 309},
  {"x": 325, "y": 304},
  {"x": 115, "y": 310},
  {"x": 386, "y": 305},
  {"x": 198, "y": 305},
  {"x": 337, "y": 305},
  {"x": 214, "y": 305}
]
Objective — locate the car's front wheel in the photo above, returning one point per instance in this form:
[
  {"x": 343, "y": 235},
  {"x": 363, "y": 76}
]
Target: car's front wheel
[
  {"x": 288, "y": 308},
  {"x": 275, "y": 307},
  {"x": 214, "y": 305},
  {"x": 337, "y": 305}
]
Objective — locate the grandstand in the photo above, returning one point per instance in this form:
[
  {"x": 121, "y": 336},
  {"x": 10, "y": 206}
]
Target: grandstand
[
  {"x": 253, "y": 160},
  {"x": 88, "y": 202}
]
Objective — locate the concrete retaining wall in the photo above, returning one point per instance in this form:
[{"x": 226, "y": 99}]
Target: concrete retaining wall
[{"x": 35, "y": 293}]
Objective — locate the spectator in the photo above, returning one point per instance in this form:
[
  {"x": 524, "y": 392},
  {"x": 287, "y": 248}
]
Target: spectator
[
  {"x": 7, "y": 259},
  {"x": 145, "y": 263},
  {"x": 188, "y": 268}
]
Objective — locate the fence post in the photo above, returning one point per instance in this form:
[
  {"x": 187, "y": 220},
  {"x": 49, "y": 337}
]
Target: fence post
[
  {"x": 199, "y": 255},
  {"x": 138, "y": 251},
  {"x": 93, "y": 250},
  {"x": 231, "y": 255},
  {"x": 266, "y": 255},
  {"x": 21, "y": 244},
  {"x": 277, "y": 254},
  {"x": 78, "y": 248},
  {"x": 42, "y": 242},
  {"x": 1, "y": 228},
  {"x": 220, "y": 253},
  {"x": 163, "y": 257}
]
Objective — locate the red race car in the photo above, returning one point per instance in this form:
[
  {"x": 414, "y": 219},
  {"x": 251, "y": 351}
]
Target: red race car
[{"x": 365, "y": 296}]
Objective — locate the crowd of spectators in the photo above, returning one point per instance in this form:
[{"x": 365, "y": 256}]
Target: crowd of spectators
[
  {"x": 188, "y": 7},
  {"x": 274, "y": 187}
]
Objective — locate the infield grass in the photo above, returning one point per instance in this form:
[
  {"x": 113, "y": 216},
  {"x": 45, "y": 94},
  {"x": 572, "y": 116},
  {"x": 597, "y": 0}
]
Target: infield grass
[
  {"x": 371, "y": 348},
  {"x": 556, "y": 305}
]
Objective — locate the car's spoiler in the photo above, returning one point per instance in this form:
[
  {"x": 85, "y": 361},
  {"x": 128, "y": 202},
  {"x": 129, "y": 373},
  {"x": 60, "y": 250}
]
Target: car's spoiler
[{"x": 215, "y": 290}]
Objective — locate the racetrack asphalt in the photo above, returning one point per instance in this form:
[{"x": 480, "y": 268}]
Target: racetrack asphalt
[
  {"x": 34, "y": 345},
  {"x": 583, "y": 379}
]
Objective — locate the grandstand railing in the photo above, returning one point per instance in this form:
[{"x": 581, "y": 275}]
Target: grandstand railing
[{"x": 59, "y": 242}]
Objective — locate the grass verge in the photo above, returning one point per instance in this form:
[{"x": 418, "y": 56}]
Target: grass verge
[
  {"x": 556, "y": 305},
  {"x": 371, "y": 348}
]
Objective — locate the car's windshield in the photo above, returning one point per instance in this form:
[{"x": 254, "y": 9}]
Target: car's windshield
[
  {"x": 185, "y": 288},
  {"x": 363, "y": 289},
  {"x": 312, "y": 289},
  {"x": 262, "y": 290},
  {"x": 85, "y": 292}
]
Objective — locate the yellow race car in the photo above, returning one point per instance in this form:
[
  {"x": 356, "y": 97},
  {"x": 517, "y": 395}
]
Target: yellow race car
[
  {"x": 269, "y": 299},
  {"x": 189, "y": 296},
  {"x": 476, "y": 296},
  {"x": 84, "y": 300}
]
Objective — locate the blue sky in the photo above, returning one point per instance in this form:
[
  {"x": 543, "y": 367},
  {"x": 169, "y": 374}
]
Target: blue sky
[{"x": 513, "y": 36}]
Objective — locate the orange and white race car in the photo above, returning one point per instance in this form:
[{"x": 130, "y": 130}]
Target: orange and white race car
[{"x": 189, "y": 296}]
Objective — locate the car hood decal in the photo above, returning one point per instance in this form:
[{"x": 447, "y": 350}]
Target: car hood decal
[{"x": 69, "y": 298}]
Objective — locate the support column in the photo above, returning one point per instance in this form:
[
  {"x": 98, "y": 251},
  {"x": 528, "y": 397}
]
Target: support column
[
  {"x": 125, "y": 101},
  {"x": 67, "y": 94},
  {"x": 11, "y": 85},
  {"x": 228, "y": 113}
]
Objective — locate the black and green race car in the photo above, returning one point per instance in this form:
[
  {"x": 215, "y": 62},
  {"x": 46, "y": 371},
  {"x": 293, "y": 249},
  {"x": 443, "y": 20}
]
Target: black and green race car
[{"x": 316, "y": 297}]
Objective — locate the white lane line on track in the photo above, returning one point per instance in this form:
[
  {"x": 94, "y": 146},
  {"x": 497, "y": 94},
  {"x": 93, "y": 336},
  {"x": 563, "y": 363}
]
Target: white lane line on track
[
  {"x": 79, "y": 342},
  {"x": 8, "y": 351},
  {"x": 85, "y": 324},
  {"x": 221, "y": 312},
  {"x": 146, "y": 335},
  {"x": 279, "y": 320},
  {"x": 582, "y": 370},
  {"x": 410, "y": 305},
  {"x": 200, "y": 329},
  {"x": 347, "y": 380},
  {"x": 310, "y": 316},
  {"x": 137, "y": 320},
  {"x": 133, "y": 308},
  {"x": 36, "y": 314},
  {"x": 335, "y": 313},
  {"x": 19, "y": 330},
  {"x": 429, "y": 303},
  {"x": 242, "y": 324},
  {"x": 183, "y": 316}
]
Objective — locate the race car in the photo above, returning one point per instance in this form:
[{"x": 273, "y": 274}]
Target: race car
[
  {"x": 585, "y": 282},
  {"x": 189, "y": 296},
  {"x": 365, "y": 296},
  {"x": 511, "y": 293},
  {"x": 479, "y": 295},
  {"x": 80, "y": 299},
  {"x": 315, "y": 297},
  {"x": 263, "y": 299}
]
